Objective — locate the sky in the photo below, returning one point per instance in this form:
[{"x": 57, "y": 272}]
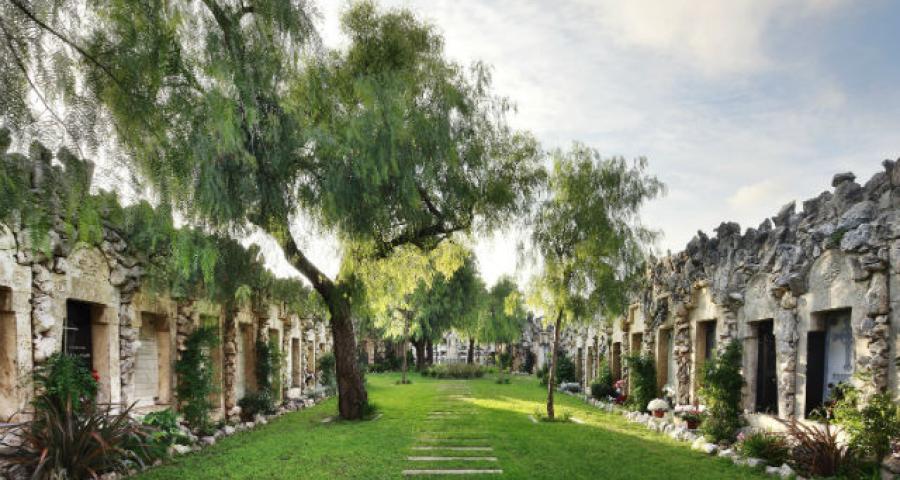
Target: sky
[{"x": 739, "y": 106}]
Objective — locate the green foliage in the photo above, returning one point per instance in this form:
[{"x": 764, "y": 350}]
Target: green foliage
[
  {"x": 268, "y": 381},
  {"x": 256, "y": 403},
  {"x": 65, "y": 382},
  {"x": 771, "y": 447},
  {"x": 871, "y": 425},
  {"x": 588, "y": 233},
  {"x": 456, "y": 371},
  {"x": 565, "y": 371},
  {"x": 326, "y": 364},
  {"x": 642, "y": 380},
  {"x": 64, "y": 443},
  {"x": 602, "y": 387},
  {"x": 720, "y": 389},
  {"x": 165, "y": 432},
  {"x": 506, "y": 315},
  {"x": 195, "y": 378},
  {"x": 69, "y": 435}
]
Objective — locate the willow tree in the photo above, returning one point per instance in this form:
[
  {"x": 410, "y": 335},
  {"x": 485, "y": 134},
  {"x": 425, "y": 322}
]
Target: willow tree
[
  {"x": 505, "y": 316},
  {"x": 222, "y": 107},
  {"x": 389, "y": 286},
  {"x": 589, "y": 236},
  {"x": 451, "y": 301}
]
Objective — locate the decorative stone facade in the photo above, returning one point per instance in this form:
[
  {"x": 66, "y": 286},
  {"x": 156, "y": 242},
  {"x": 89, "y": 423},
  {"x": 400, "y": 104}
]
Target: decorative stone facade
[
  {"x": 811, "y": 295},
  {"x": 135, "y": 336}
]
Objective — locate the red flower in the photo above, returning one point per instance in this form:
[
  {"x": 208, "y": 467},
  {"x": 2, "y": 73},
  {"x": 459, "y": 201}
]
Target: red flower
[{"x": 95, "y": 375}]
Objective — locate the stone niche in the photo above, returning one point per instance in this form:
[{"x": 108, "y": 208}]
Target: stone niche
[
  {"x": 153, "y": 372},
  {"x": 15, "y": 329},
  {"x": 153, "y": 382},
  {"x": 88, "y": 303}
]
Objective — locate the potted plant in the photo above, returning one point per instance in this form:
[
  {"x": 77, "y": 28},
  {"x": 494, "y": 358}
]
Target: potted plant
[
  {"x": 693, "y": 419},
  {"x": 658, "y": 406}
]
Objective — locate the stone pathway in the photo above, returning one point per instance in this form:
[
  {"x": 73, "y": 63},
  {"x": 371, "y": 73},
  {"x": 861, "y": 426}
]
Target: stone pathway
[{"x": 446, "y": 438}]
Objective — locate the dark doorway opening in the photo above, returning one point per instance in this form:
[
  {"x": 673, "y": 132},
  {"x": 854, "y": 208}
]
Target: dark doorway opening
[
  {"x": 78, "y": 336},
  {"x": 617, "y": 360},
  {"x": 766, "y": 378},
  {"x": 815, "y": 370}
]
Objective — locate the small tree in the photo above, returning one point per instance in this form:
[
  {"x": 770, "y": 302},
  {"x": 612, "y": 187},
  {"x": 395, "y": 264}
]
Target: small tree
[
  {"x": 195, "y": 377},
  {"x": 642, "y": 376},
  {"x": 720, "y": 388},
  {"x": 588, "y": 234}
]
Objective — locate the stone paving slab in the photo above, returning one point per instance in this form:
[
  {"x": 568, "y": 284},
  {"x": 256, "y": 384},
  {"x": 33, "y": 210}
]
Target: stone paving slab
[
  {"x": 453, "y": 472},
  {"x": 450, "y": 459}
]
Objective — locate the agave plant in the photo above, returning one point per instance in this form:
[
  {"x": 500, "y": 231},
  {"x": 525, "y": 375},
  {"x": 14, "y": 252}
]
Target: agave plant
[
  {"x": 69, "y": 435},
  {"x": 62, "y": 443}
]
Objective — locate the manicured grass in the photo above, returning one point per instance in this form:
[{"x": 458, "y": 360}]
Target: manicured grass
[{"x": 299, "y": 446}]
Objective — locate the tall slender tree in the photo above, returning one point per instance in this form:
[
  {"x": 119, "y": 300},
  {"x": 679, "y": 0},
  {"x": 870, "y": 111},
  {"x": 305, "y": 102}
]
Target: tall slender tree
[
  {"x": 223, "y": 106},
  {"x": 588, "y": 234}
]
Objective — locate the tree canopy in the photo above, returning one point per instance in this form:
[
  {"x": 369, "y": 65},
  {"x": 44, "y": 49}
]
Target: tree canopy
[
  {"x": 234, "y": 118},
  {"x": 588, "y": 234}
]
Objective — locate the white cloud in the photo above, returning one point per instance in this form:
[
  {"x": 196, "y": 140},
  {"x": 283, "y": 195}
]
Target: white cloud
[{"x": 713, "y": 36}]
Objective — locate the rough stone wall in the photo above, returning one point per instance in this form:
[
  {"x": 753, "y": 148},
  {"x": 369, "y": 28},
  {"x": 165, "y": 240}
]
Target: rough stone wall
[{"x": 858, "y": 223}]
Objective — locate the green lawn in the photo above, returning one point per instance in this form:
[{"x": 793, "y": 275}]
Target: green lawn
[{"x": 300, "y": 446}]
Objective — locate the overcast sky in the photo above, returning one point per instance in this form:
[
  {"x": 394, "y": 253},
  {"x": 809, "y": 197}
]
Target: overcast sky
[{"x": 739, "y": 106}]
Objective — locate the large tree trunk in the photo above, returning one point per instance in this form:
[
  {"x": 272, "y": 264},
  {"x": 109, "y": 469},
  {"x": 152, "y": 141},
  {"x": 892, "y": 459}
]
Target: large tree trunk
[
  {"x": 420, "y": 354},
  {"x": 405, "y": 349},
  {"x": 352, "y": 396},
  {"x": 551, "y": 376},
  {"x": 429, "y": 346},
  {"x": 470, "y": 356}
]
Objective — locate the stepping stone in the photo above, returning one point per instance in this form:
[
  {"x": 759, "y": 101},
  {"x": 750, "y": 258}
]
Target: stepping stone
[
  {"x": 452, "y": 459},
  {"x": 453, "y": 472},
  {"x": 455, "y": 449}
]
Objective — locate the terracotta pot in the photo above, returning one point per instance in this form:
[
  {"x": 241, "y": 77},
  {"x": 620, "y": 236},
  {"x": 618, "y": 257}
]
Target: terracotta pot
[
  {"x": 692, "y": 424},
  {"x": 659, "y": 413}
]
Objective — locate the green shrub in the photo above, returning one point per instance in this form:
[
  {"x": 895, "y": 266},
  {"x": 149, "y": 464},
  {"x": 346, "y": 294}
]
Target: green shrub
[
  {"x": 254, "y": 403},
  {"x": 64, "y": 379},
  {"x": 720, "y": 389},
  {"x": 165, "y": 432},
  {"x": 642, "y": 375},
  {"x": 772, "y": 448},
  {"x": 602, "y": 387},
  {"x": 565, "y": 371},
  {"x": 872, "y": 425},
  {"x": 268, "y": 378},
  {"x": 455, "y": 371},
  {"x": 326, "y": 365},
  {"x": 195, "y": 378}
]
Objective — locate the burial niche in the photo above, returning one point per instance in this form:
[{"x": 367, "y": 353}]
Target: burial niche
[
  {"x": 617, "y": 360},
  {"x": 766, "y": 378},
  {"x": 830, "y": 356},
  {"x": 296, "y": 375},
  {"x": 8, "y": 403},
  {"x": 153, "y": 363},
  {"x": 86, "y": 337}
]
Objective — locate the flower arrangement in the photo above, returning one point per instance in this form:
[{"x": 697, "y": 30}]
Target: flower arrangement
[
  {"x": 693, "y": 418},
  {"x": 658, "y": 406}
]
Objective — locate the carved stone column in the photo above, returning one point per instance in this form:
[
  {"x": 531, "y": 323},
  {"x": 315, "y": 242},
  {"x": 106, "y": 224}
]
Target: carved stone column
[
  {"x": 786, "y": 348},
  {"x": 682, "y": 352}
]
